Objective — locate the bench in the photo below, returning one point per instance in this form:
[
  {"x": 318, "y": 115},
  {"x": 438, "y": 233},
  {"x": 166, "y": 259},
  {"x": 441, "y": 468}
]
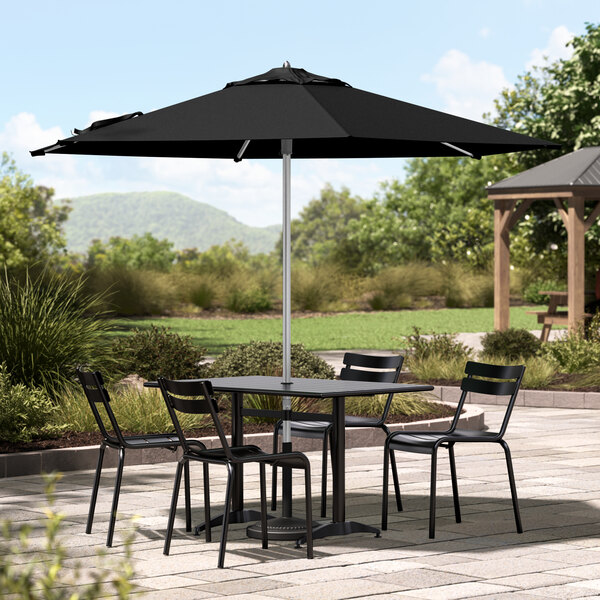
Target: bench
[{"x": 548, "y": 319}]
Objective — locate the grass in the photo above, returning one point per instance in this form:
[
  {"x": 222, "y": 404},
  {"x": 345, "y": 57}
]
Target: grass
[{"x": 377, "y": 330}]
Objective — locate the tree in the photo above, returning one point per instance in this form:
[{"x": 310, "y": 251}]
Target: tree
[
  {"x": 319, "y": 234},
  {"x": 30, "y": 225},
  {"x": 138, "y": 252}
]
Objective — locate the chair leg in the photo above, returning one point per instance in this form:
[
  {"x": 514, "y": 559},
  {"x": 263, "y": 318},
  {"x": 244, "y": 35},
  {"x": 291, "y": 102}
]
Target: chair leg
[
  {"x": 454, "y": 483},
  {"x": 174, "y": 497},
  {"x": 324, "y": 477},
  {"x": 88, "y": 528},
  {"x": 386, "y": 480},
  {"x": 115, "y": 502},
  {"x": 263, "y": 506},
  {"x": 432, "y": 494},
  {"x": 309, "y": 520},
  {"x": 274, "y": 473},
  {"x": 226, "y": 510},
  {"x": 188, "y": 499},
  {"x": 394, "y": 474},
  {"x": 513, "y": 487},
  {"x": 206, "y": 481}
]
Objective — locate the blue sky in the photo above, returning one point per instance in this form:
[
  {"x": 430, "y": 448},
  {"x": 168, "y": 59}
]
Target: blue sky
[{"x": 67, "y": 63}]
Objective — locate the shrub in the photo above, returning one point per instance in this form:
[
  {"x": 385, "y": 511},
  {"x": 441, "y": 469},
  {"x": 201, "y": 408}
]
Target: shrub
[
  {"x": 157, "y": 351},
  {"x": 251, "y": 300},
  {"x": 136, "y": 411},
  {"x": 402, "y": 404},
  {"x": 396, "y": 287},
  {"x": 531, "y": 292},
  {"x": 44, "y": 574},
  {"x": 575, "y": 353},
  {"x": 442, "y": 345},
  {"x": 436, "y": 366},
  {"x": 25, "y": 413},
  {"x": 266, "y": 358},
  {"x": 48, "y": 325},
  {"x": 463, "y": 288},
  {"x": 315, "y": 288},
  {"x": 134, "y": 292},
  {"x": 511, "y": 344},
  {"x": 202, "y": 295}
]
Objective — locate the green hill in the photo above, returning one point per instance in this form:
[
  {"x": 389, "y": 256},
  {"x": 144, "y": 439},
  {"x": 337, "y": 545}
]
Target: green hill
[{"x": 178, "y": 218}]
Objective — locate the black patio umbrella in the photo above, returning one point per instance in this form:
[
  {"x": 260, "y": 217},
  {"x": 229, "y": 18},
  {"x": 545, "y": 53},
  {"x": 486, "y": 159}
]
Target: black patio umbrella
[{"x": 290, "y": 112}]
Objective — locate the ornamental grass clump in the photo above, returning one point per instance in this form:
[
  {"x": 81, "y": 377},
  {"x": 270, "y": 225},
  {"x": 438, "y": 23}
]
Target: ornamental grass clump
[{"x": 49, "y": 325}]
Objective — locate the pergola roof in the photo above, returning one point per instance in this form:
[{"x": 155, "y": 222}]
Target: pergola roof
[{"x": 575, "y": 172}]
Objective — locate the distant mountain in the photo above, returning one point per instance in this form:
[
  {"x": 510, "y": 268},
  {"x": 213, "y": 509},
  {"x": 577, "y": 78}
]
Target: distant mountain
[{"x": 178, "y": 218}]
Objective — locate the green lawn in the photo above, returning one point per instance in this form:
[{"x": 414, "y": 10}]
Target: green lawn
[{"x": 377, "y": 330}]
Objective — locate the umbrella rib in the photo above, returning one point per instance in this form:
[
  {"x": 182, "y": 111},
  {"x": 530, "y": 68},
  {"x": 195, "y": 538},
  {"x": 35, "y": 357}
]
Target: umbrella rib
[
  {"x": 470, "y": 154},
  {"x": 238, "y": 158}
]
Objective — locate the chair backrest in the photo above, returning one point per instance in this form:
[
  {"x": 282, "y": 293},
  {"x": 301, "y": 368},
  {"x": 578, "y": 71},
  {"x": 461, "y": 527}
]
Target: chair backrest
[
  {"x": 494, "y": 380},
  {"x": 96, "y": 394},
  {"x": 192, "y": 397},
  {"x": 384, "y": 369}
]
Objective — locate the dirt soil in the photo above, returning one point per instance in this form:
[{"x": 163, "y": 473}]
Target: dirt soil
[{"x": 72, "y": 439}]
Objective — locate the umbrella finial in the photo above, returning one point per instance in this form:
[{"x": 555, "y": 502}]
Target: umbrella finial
[{"x": 286, "y": 65}]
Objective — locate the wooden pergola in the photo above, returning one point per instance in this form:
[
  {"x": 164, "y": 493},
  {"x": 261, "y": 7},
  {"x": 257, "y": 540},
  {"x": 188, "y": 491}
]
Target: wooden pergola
[{"x": 570, "y": 181}]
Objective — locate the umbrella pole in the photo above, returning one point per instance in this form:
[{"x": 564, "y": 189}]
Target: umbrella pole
[{"x": 286, "y": 151}]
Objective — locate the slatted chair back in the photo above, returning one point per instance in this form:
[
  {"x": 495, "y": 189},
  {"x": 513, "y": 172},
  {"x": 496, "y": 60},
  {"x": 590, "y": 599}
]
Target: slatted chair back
[
  {"x": 192, "y": 397},
  {"x": 387, "y": 371},
  {"x": 97, "y": 395},
  {"x": 495, "y": 380}
]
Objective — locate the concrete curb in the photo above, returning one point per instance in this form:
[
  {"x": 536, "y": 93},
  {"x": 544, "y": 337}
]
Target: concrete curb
[
  {"x": 86, "y": 457},
  {"x": 533, "y": 398}
]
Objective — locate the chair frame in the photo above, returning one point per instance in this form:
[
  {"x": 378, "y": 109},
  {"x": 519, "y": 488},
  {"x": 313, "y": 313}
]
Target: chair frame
[
  {"x": 423, "y": 442},
  {"x": 177, "y": 395},
  {"x": 97, "y": 394},
  {"x": 389, "y": 368}
]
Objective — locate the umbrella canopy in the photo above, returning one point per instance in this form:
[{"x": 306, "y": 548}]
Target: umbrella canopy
[{"x": 325, "y": 117}]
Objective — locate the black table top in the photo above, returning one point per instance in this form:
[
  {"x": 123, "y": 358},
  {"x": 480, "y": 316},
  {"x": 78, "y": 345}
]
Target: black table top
[{"x": 310, "y": 388}]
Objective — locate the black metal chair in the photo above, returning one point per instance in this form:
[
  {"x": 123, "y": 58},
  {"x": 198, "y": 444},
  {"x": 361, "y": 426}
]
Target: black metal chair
[
  {"x": 478, "y": 380},
  {"x": 196, "y": 397},
  {"x": 97, "y": 395},
  {"x": 389, "y": 368}
]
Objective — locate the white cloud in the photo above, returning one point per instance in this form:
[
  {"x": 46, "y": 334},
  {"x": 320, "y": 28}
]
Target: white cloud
[
  {"x": 250, "y": 190},
  {"x": 467, "y": 87},
  {"x": 554, "y": 50}
]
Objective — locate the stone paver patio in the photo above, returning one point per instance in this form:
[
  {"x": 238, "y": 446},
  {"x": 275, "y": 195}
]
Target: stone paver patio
[{"x": 557, "y": 467}]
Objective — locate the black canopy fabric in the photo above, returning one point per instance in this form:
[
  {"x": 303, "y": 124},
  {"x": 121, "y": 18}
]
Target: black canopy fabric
[{"x": 325, "y": 118}]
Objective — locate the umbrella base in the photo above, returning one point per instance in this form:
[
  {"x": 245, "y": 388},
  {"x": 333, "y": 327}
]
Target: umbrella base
[{"x": 280, "y": 529}]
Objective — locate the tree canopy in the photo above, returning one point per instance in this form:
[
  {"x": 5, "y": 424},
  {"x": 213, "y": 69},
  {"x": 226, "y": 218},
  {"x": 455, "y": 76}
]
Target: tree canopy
[{"x": 31, "y": 226}]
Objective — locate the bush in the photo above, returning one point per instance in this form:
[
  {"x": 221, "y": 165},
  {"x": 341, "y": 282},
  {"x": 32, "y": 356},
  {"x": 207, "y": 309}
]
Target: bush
[
  {"x": 511, "y": 344},
  {"x": 202, "y": 295},
  {"x": 134, "y": 292},
  {"x": 43, "y": 575},
  {"x": 250, "y": 300},
  {"x": 396, "y": 287},
  {"x": 266, "y": 358},
  {"x": 531, "y": 292},
  {"x": 48, "y": 325},
  {"x": 25, "y": 413},
  {"x": 464, "y": 288},
  {"x": 442, "y": 345},
  {"x": 315, "y": 288},
  {"x": 575, "y": 353},
  {"x": 157, "y": 351}
]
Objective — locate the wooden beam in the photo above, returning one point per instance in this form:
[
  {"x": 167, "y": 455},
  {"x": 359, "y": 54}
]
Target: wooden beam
[
  {"x": 519, "y": 212},
  {"x": 576, "y": 261},
  {"x": 502, "y": 212},
  {"x": 562, "y": 211},
  {"x": 592, "y": 217}
]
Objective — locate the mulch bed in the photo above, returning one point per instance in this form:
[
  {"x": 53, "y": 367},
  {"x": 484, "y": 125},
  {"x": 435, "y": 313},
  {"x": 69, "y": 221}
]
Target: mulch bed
[{"x": 72, "y": 439}]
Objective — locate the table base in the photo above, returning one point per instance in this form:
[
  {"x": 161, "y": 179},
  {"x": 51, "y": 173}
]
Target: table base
[{"x": 291, "y": 528}]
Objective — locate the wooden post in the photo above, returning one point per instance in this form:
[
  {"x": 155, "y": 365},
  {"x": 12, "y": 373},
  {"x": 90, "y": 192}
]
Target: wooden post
[
  {"x": 502, "y": 212},
  {"x": 576, "y": 261}
]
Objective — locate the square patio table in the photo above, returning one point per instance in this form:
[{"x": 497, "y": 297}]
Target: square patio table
[{"x": 337, "y": 390}]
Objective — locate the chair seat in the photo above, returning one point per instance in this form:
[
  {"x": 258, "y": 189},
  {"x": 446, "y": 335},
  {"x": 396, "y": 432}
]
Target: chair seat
[
  {"x": 423, "y": 442},
  {"x": 152, "y": 440},
  {"x": 250, "y": 453}
]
